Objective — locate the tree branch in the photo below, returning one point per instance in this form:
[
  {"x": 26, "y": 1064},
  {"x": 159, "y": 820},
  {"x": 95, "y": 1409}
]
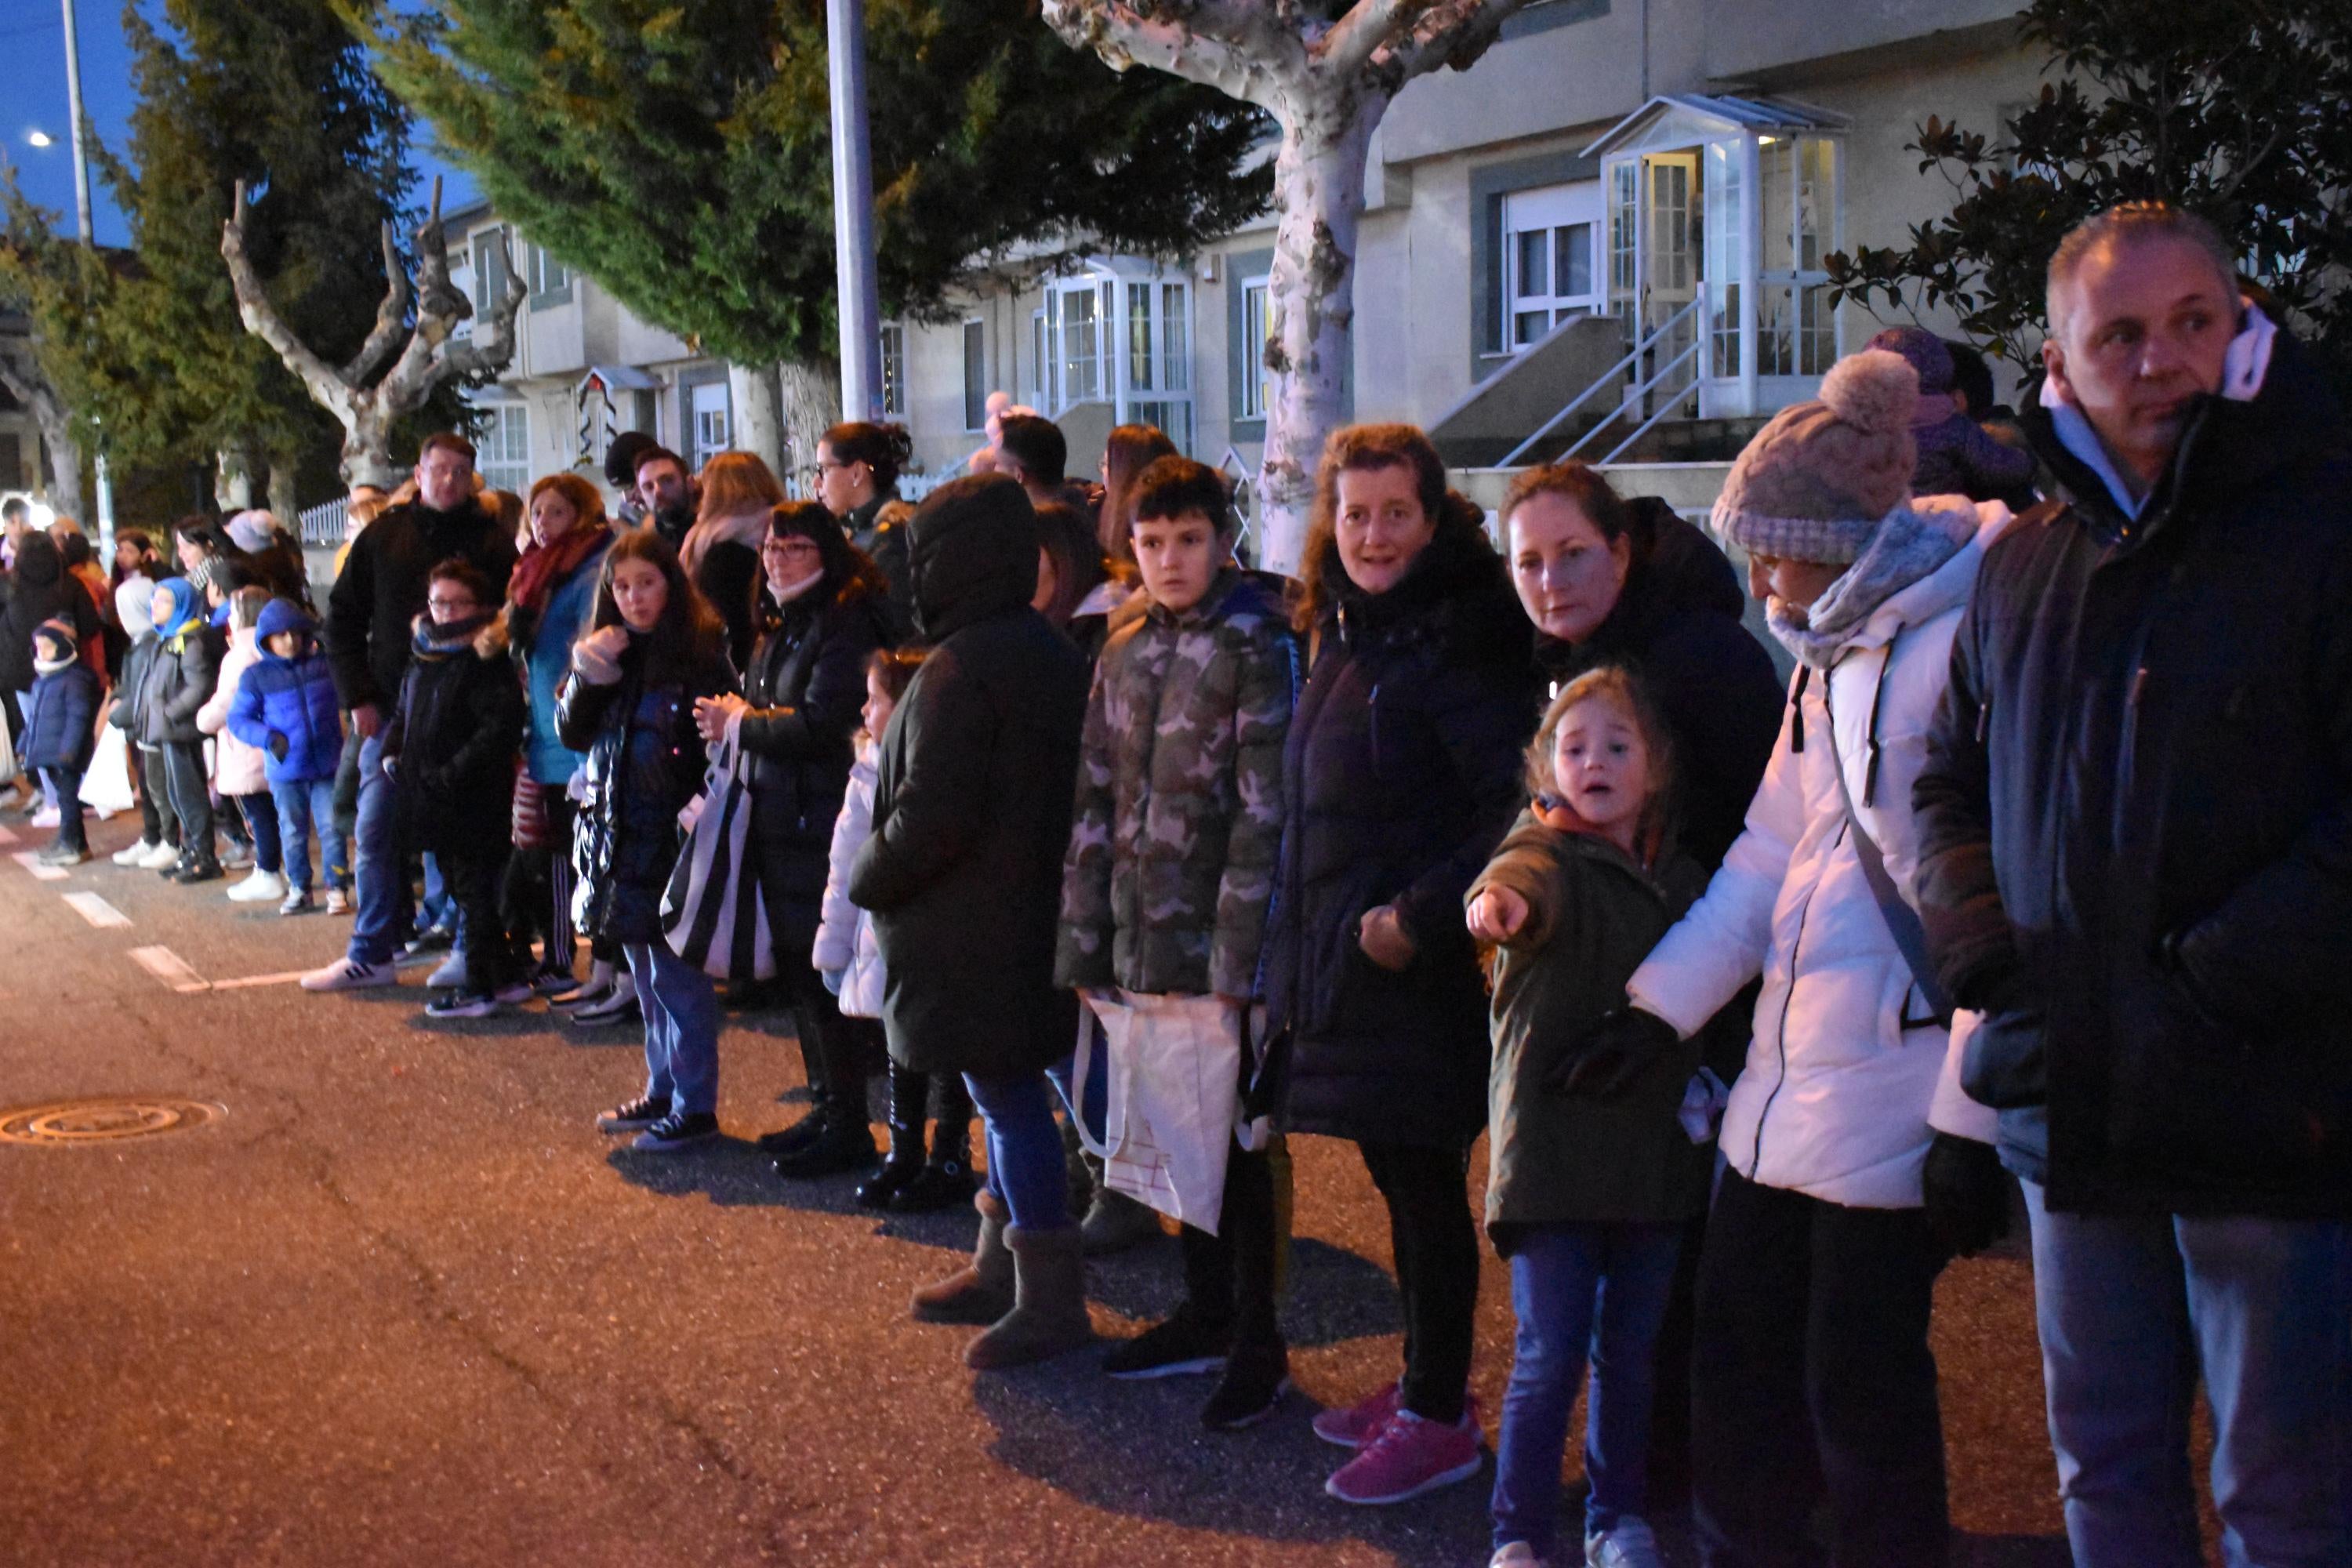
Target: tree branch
[
  {"x": 1359, "y": 35},
  {"x": 1243, "y": 58},
  {"x": 1446, "y": 33},
  {"x": 391, "y": 317},
  {"x": 492, "y": 345},
  {"x": 261, "y": 319}
]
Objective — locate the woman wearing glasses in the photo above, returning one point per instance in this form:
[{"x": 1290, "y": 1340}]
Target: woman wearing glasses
[
  {"x": 856, "y": 477},
  {"x": 823, "y": 611}
]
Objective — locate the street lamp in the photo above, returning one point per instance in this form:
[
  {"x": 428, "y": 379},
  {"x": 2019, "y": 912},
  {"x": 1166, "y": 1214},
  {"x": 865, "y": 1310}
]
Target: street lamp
[{"x": 37, "y": 137}]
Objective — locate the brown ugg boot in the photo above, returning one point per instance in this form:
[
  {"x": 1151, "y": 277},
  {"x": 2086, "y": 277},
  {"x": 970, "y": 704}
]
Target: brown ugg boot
[
  {"x": 982, "y": 1290},
  {"x": 1049, "y": 1308}
]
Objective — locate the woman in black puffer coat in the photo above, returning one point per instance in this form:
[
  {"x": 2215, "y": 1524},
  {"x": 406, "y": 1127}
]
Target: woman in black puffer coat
[
  {"x": 1401, "y": 773},
  {"x": 652, "y": 647},
  {"x": 823, "y": 611}
]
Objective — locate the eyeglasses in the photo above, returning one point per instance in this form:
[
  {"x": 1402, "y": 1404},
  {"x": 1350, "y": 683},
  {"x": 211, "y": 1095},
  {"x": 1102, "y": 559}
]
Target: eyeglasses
[
  {"x": 789, "y": 547},
  {"x": 448, "y": 606},
  {"x": 814, "y": 473}
]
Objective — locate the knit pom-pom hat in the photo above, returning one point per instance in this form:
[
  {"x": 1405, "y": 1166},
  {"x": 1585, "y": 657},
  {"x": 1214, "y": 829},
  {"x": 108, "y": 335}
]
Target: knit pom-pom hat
[{"x": 1815, "y": 482}]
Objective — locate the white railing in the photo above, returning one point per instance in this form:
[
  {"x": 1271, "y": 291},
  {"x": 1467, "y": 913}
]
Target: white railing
[
  {"x": 1645, "y": 386},
  {"x": 321, "y": 525}
]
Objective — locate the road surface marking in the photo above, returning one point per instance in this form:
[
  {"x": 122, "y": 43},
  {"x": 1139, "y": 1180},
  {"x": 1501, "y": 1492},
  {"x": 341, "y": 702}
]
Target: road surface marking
[
  {"x": 6, "y": 837},
  {"x": 31, "y": 860},
  {"x": 168, "y": 967},
  {"x": 288, "y": 978},
  {"x": 98, "y": 911}
]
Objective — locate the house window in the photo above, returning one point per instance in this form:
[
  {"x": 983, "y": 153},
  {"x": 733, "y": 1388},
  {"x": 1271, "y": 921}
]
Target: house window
[
  {"x": 1078, "y": 364},
  {"x": 1549, "y": 256},
  {"x": 549, "y": 276},
  {"x": 490, "y": 270},
  {"x": 1797, "y": 203},
  {"x": 1125, "y": 341},
  {"x": 975, "y": 375},
  {"x": 1040, "y": 358},
  {"x": 894, "y": 370},
  {"x": 502, "y": 448},
  {"x": 1257, "y": 388},
  {"x": 707, "y": 411}
]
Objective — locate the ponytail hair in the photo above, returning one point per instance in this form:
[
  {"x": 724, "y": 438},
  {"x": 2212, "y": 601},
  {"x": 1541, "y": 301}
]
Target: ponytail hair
[{"x": 884, "y": 449}]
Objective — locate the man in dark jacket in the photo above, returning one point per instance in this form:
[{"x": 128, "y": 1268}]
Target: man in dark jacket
[
  {"x": 371, "y": 612},
  {"x": 971, "y": 812},
  {"x": 2137, "y": 864}
]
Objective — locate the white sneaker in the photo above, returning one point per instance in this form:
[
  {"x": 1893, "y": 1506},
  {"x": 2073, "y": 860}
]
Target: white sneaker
[
  {"x": 451, "y": 973},
  {"x": 1517, "y": 1554},
  {"x": 1629, "y": 1545},
  {"x": 157, "y": 857},
  {"x": 46, "y": 818},
  {"x": 137, "y": 852},
  {"x": 349, "y": 974},
  {"x": 339, "y": 902},
  {"x": 262, "y": 887}
]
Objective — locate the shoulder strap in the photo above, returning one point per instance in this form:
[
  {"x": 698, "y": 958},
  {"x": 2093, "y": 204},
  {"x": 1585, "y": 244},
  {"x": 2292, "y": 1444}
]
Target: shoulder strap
[{"x": 1902, "y": 920}]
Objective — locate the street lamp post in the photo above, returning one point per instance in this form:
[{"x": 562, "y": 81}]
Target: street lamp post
[
  {"x": 79, "y": 131},
  {"x": 852, "y": 214}
]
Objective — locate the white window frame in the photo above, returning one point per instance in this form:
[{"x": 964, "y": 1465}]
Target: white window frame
[
  {"x": 1554, "y": 213},
  {"x": 1257, "y": 305},
  {"x": 700, "y": 451},
  {"x": 503, "y": 447},
  {"x": 974, "y": 346},
  {"x": 894, "y": 370}
]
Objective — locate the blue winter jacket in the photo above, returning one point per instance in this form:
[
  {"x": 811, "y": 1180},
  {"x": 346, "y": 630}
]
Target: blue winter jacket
[
  {"x": 61, "y": 716},
  {"x": 287, "y": 706},
  {"x": 546, "y": 656}
]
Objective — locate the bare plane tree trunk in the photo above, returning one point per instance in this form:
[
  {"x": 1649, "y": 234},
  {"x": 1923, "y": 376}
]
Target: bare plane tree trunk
[
  {"x": 232, "y": 478},
  {"x": 811, "y": 396},
  {"x": 26, "y": 384},
  {"x": 1327, "y": 84},
  {"x": 759, "y": 413},
  {"x": 372, "y": 393},
  {"x": 285, "y": 497}
]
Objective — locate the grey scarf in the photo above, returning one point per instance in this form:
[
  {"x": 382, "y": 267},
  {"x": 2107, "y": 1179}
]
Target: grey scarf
[{"x": 1912, "y": 542}]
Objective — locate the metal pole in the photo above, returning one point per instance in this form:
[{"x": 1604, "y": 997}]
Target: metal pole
[
  {"x": 852, "y": 214},
  {"x": 81, "y": 214}
]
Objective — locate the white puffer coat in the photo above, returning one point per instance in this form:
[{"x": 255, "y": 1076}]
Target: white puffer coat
[
  {"x": 238, "y": 768},
  {"x": 844, "y": 933},
  {"x": 1847, "y": 1076}
]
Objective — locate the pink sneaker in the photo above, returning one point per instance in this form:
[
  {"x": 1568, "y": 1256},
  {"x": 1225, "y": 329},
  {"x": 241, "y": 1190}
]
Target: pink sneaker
[
  {"x": 1410, "y": 1455},
  {"x": 1361, "y": 1422}
]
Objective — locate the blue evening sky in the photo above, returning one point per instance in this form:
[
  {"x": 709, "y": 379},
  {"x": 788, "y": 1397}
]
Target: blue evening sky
[{"x": 32, "y": 99}]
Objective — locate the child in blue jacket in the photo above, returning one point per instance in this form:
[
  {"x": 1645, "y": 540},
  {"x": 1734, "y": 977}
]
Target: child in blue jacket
[
  {"x": 61, "y": 734},
  {"x": 285, "y": 706}
]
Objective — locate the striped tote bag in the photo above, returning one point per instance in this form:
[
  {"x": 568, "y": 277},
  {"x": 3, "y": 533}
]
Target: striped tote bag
[{"x": 712, "y": 914}]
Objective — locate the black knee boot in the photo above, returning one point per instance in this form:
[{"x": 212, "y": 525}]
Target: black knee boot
[
  {"x": 844, "y": 1142},
  {"x": 907, "y": 1092},
  {"x": 946, "y": 1178}
]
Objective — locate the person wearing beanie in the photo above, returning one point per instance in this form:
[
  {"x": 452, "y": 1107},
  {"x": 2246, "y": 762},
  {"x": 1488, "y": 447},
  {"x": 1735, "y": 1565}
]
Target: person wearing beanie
[
  {"x": 60, "y": 719},
  {"x": 1855, "y": 1167},
  {"x": 274, "y": 554},
  {"x": 180, "y": 675},
  {"x": 1957, "y": 456},
  {"x": 159, "y": 824},
  {"x": 285, "y": 709}
]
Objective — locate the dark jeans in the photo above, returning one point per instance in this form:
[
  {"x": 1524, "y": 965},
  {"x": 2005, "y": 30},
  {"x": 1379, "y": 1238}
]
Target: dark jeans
[
  {"x": 65, "y": 792},
  {"x": 347, "y": 784},
  {"x": 260, "y": 813},
  {"x": 192, "y": 800},
  {"x": 1229, "y": 1277},
  {"x": 536, "y": 900},
  {"x": 1813, "y": 1382},
  {"x": 155, "y": 789},
  {"x": 304, "y": 804},
  {"x": 151, "y": 810},
  {"x": 472, "y": 877},
  {"x": 1436, "y": 1246}
]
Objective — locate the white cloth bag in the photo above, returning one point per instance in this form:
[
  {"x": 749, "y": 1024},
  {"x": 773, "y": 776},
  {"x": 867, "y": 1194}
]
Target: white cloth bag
[
  {"x": 106, "y": 787},
  {"x": 1172, "y": 1072}
]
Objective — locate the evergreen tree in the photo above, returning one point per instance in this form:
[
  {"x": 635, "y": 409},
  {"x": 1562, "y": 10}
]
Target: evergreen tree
[{"x": 679, "y": 152}]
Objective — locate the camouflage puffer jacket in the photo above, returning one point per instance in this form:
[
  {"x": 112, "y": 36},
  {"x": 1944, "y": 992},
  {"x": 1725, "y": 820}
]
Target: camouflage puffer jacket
[{"x": 1178, "y": 821}]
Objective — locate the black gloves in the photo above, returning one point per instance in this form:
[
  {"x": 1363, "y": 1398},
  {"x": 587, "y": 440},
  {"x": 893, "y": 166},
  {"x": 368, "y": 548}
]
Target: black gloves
[
  {"x": 278, "y": 747},
  {"x": 1611, "y": 1057},
  {"x": 1966, "y": 1194},
  {"x": 1994, "y": 985}
]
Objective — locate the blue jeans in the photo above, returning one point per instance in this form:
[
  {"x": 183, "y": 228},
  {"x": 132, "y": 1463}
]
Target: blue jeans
[
  {"x": 2132, "y": 1308},
  {"x": 1596, "y": 1291},
  {"x": 385, "y": 909},
  {"x": 681, "y": 1029},
  {"x": 304, "y": 805},
  {"x": 1025, "y": 1165},
  {"x": 259, "y": 811}
]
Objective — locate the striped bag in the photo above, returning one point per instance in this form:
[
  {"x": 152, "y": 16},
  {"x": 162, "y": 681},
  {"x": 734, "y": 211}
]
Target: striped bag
[{"x": 712, "y": 914}]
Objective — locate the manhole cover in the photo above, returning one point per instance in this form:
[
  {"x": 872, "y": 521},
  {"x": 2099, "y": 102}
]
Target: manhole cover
[{"x": 104, "y": 1121}]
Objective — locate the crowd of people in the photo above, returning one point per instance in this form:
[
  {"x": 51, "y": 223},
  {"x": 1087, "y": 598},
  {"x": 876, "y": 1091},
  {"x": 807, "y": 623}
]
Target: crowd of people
[{"x": 1765, "y": 997}]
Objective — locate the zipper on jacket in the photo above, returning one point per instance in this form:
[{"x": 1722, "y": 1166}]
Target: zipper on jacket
[{"x": 1796, "y": 949}]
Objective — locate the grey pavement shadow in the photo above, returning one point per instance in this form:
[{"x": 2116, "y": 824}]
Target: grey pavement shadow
[
  {"x": 2010, "y": 1551},
  {"x": 1333, "y": 1295}
]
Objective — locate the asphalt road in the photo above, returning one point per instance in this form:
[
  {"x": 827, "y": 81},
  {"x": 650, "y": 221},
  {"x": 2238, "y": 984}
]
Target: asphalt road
[{"x": 402, "y": 1303}]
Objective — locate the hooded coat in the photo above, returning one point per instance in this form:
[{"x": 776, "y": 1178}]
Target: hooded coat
[
  {"x": 2137, "y": 813},
  {"x": 60, "y": 717},
  {"x": 1400, "y": 774},
  {"x": 879, "y": 528},
  {"x": 1849, "y": 1074},
  {"x": 237, "y": 765},
  {"x": 1677, "y": 625},
  {"x": 182, "y": 673},
  {"x": 285, "y": 706},
  {"x": 380, "y": 591},
  {"x": 971, "y": 801},
  {"x": 41, "y": 590},
  {"x": 452, "y": 742}
]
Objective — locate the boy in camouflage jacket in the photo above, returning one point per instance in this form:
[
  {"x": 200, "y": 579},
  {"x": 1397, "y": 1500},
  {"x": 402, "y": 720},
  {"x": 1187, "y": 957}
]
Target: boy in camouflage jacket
[{"x": 1176, "y": 833}]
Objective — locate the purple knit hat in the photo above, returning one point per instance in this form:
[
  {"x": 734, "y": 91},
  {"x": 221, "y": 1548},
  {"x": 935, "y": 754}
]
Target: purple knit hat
[{"x": 1815, "y": 483}]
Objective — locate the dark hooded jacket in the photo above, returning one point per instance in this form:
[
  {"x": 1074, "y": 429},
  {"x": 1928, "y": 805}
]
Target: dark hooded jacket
[
  {"x": 182, "y": 675},
  {"x": 971, "y": 804},
  {"x": 60, "y": 717},
  {"x": 381, "y": 590},
  {"x": 2136, "y": 821},
  {"x": 1402, "y": 772},
  {"x": 453, "y": 741},
  {"x": 1677, "y": 627},
  {"x": 879, "y": 528},
  {"x": 42, "y": 591},
  {"x": 285, "y": 708},
  {"x": 806, "y": 685}
]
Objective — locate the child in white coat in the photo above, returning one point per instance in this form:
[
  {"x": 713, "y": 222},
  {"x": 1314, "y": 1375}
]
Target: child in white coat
[{"x": 1855, "y": 1166}]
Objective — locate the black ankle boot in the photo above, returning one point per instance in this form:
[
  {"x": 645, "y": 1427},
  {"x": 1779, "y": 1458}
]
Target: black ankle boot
[
  {"x": 843, "y": 1143},
  {"x": 946, "y": 1178},
  {"x": 907, "y": 1092}
]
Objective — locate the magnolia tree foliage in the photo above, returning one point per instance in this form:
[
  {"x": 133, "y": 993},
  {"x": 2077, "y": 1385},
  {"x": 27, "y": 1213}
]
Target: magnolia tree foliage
[
  {"x": 679, "y": 152},
  {"x": 2238, "y": 110},
  {"x": 1325, "y": 79}
]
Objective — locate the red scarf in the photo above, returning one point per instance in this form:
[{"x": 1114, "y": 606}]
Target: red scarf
[{"x": 543, "y": 566}]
